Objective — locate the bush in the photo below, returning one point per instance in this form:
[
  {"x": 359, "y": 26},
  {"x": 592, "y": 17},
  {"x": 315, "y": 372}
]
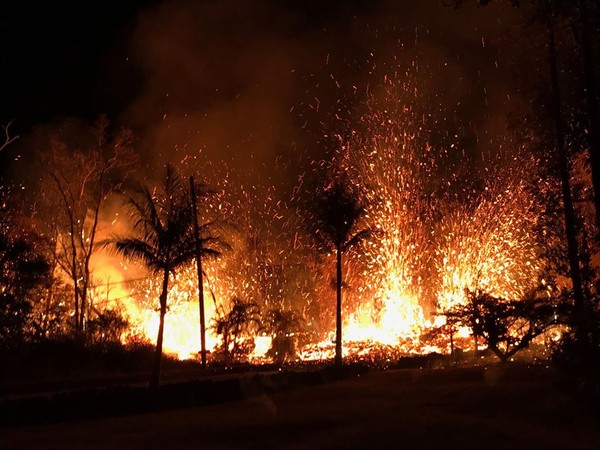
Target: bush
[{"x": 506, "y": 326}]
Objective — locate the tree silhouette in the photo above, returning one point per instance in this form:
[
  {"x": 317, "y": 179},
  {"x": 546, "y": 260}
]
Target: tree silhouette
[
  {"x": 578, "y": 15},
  {"x": 75, "y": 187},
  {"x": 23, "y": 269},
  {"x": 506, "y": 326},
  {"x": 236, "y": 327},
  {"x": 336, "y": 216},
  {"x": 283, "y": 325},
  {"x": 164, "y": 241}
]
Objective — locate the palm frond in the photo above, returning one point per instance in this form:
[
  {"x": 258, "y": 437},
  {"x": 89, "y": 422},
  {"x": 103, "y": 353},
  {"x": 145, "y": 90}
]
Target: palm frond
[
  {"x": 133, "y": 248},
  {"x": 172, "y": 185},
  {"x": 337, "y": 210},
  {"x": 145, "y": 212}
]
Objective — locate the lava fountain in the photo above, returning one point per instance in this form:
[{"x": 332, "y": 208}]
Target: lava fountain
[{"x": 436, "y": 236}]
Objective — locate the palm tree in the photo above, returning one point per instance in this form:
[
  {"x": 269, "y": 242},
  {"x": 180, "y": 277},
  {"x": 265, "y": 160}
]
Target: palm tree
[
  {"x": 236, "y": 327},
  {"x": 337, "y": 213},
  {"x": 164, "y": 241}
]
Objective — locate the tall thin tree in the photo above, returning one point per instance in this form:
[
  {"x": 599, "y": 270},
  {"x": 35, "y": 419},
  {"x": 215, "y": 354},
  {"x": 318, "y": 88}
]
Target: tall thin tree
[
  {"x": 564, "y": 173},
  {"x": 164, "y": 241},
  {"x": 338, "y": 211},
  {"x": 199, "y": 269},
  {"x": 591, "y": 101}
]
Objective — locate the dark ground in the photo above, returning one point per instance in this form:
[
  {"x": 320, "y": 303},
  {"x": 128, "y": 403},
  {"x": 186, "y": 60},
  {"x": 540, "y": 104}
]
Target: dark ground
[{"x": 492, "y": 408}]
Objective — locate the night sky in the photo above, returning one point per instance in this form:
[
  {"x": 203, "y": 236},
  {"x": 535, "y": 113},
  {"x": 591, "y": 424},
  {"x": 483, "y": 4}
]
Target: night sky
[
  {"x": 66, "y": 59},
  {"x": 75, "y": 59}
]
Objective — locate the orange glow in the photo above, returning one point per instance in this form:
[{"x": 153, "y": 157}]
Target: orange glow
[{"x": 434, "y": 237}]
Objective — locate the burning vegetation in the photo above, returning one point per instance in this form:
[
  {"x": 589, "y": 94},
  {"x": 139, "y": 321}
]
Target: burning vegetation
[
  {"x": 415, "y": 242},
  {"x": 393, "y": 242}
]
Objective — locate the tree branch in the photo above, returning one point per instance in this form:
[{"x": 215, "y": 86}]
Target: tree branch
[{"x": 7, "y": 138}]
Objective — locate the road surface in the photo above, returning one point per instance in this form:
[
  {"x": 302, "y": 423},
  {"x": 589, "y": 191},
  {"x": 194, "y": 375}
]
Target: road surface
[{"x": 403, "y": 409}]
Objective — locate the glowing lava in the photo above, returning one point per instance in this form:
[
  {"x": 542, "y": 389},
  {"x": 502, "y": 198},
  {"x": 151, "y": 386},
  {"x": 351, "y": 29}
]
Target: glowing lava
[{"x": 435, "y": 236}]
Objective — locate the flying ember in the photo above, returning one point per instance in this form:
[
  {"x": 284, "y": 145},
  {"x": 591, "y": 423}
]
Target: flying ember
[{"x": 437, "y": 233}]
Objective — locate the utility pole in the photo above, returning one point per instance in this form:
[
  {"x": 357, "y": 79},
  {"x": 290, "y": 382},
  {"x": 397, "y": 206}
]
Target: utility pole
[{"x": 200, "y": 277}]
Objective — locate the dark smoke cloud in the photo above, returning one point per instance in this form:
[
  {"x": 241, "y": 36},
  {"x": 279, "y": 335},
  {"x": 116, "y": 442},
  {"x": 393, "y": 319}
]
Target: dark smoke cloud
[{"x": 255, "y": 83}]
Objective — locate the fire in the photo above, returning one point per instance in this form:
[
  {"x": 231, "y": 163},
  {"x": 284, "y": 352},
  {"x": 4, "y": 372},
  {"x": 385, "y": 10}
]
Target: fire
[
  {"x": 434, "y": 239},
  {"x": 182, "y": 324},
  {"x": 418, "y": 263},
  {"x": 491, "y": 247},
  {"x": 436, "y": 235}
]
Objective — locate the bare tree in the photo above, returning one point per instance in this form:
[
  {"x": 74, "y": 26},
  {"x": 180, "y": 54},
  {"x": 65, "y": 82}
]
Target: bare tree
[
  {"x": 8, "y": 139},
  {"x": 76, "y": 185}
]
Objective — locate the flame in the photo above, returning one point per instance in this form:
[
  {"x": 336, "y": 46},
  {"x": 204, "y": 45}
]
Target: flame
[
  {"x": 491, "y": 247},
  {"x": 435, "y": 236},
  {"x": 417, "y": 265},
  {"x": 182, "y": 321}
]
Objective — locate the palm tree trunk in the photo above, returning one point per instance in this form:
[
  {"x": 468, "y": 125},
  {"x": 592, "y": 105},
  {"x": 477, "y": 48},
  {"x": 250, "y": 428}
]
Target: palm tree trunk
[
  {"x": 338, "y": 309},
  {"x": 155, "y": 375},
  {"x": 202, "y": 313}
]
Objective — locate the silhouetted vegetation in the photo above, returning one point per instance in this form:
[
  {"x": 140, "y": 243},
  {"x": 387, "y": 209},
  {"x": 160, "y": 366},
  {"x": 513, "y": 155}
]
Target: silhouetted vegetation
[
  {"x": 237, "y": 328},
  {"x": 53, "y": 326},
  {"x": 23, "y": 271},
  {"x": 76, "y": 184},
  {"x": 283, "y": 327},
  {"x": 164, "y": 241},
  {"x": 507, "y": 326},
  {"x": 337, "y": 213},
  {"x": 565, "y": 100}
]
